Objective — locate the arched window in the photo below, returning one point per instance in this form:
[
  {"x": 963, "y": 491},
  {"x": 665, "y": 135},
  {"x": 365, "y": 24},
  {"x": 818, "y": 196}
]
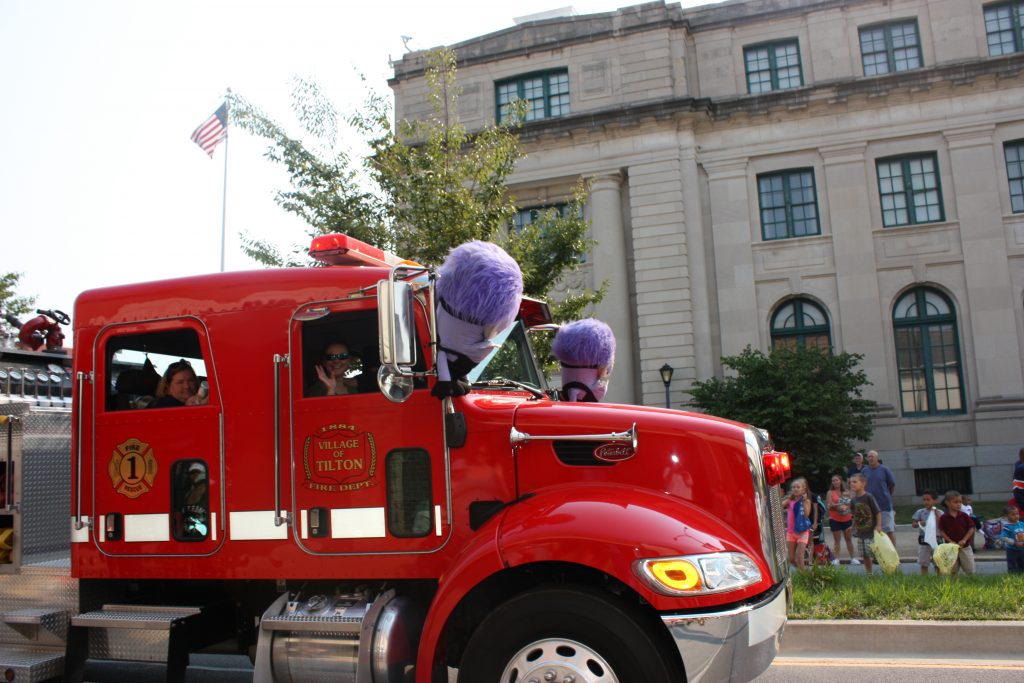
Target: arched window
[
  {"x": 927, "y": 353},
  {"x": 801, "y": 323}
]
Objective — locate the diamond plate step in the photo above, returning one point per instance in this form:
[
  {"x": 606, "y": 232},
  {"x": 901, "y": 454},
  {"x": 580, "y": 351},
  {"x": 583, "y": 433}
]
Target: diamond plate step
[
  {"x": 315, "y": 624},
  {"x": 156, "y": 618},
  {"x": 41, "y": 626},
  {"x": 32, "y": 664}
]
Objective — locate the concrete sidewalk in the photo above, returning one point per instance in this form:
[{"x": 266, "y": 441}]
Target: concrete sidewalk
[
  {"x": 906, "y": 639},
  {"x": 827, "y": 639},
  {"x": 906, "y": 546}
]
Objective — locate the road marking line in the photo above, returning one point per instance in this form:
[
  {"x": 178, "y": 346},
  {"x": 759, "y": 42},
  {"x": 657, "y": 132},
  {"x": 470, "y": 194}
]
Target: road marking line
[{"x": 900, "y": 664}]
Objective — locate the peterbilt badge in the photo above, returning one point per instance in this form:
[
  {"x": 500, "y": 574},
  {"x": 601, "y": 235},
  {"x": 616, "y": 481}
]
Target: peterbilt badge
[{"x": 614, "y": 452}]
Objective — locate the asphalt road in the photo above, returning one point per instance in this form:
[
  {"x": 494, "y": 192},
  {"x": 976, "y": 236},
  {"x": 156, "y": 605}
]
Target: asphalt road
[
  {"x": 783, "y": 670},
  {"x": 806, "y": 670}
]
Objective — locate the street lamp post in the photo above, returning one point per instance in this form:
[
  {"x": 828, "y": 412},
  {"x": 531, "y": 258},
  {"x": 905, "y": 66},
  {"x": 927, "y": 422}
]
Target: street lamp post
[{"x": 666, "y": 371}]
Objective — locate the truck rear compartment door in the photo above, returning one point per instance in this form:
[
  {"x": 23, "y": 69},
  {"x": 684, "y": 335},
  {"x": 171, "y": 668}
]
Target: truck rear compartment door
[{"x": 156, "y": 471}]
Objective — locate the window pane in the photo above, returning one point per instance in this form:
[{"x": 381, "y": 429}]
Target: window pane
[
  {"x": 190, "y": 500},
  {"x": 909, "y": 191},
  {"x": 546, "y": 95},
  {"x": 802, "y": 323},
  {"x": 1014, "y": 152},
  {"x": 1003, "y": 37},
  {"x": 927, "y": 354},
  {"x": 410, "y": 503}
]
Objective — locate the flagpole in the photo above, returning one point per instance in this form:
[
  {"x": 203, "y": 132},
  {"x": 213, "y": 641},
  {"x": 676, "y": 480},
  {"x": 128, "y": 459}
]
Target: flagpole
[{"x": 224, "y": 206}]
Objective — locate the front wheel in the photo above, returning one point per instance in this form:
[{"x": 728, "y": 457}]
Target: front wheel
[{"x": 568, "y": 635}]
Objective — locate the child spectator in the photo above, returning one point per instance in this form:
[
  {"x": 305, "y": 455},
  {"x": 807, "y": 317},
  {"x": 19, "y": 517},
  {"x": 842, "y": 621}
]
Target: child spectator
[
  {"x": 867, "y": 517},
  {"x": 798, "y": 522},
  {"x": 839, "y": 517},
  {"x": 1012, "y": 538},
  {"x": 966, "y": 507},
  {"x": 968, "y": 510},
  {"x": 956, "y": 527},
  {"x": 920, "y": 521}
]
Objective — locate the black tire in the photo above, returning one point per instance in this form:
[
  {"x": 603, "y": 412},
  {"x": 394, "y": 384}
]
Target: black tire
[{"x": 594, "y": 636}]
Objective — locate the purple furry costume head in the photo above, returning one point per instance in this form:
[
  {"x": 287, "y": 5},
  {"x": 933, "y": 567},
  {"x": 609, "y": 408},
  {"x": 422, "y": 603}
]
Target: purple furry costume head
[
  {"x": 479, "y": 289},
  {"x": 586, "y": 350}
]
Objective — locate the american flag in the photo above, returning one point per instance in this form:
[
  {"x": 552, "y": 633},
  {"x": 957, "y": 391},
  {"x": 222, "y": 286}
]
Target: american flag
[{"x": 211, "y": 131}]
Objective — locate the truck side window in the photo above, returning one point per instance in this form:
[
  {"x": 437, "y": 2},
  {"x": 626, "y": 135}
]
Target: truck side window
[
  {"x": 135, "y": 364},
  {"x": 410, "y": 503},
  {"x": 190, "y": 500},
  {"x": 356, "y": 331}
]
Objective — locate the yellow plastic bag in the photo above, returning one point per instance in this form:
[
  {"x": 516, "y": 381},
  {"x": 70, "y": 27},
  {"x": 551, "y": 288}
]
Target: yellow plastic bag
[
  {"x": 885, "y": 553},
  {"x": 945, "y": 557}
]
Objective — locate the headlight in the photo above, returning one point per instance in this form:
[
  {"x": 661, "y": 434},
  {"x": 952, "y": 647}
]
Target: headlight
[{"x": 698, "y": 574}]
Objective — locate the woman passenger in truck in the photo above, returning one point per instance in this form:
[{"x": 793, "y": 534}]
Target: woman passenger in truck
[
  {"x": 331, "y": 370},
  {"x": 178, "y": 387}
]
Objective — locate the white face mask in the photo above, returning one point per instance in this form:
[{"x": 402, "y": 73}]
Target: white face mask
[
  {"x": 600, "y": 385},
  {"x": 596, "y": 379}
]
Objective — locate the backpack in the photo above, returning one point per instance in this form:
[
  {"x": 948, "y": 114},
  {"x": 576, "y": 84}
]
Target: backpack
[
  {"x": 817, "y": 504},
  {"x": 822, "y": 554},
  {"x": 801, "y": 522}
]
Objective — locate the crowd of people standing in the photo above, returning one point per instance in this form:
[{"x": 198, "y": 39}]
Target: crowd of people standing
[{"x": 860, "y": 505}]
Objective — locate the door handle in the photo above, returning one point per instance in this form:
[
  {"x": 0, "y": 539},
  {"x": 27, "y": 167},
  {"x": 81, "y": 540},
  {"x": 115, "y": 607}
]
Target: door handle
[{"x": 280, "y": 516}]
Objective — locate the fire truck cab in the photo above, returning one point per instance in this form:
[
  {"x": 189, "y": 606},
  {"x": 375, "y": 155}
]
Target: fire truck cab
[{"x": 383, "y": 534}]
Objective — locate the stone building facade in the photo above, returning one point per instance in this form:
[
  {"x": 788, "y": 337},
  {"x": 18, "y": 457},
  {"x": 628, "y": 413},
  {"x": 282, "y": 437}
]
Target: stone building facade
[{"x": 842, "y": 172}]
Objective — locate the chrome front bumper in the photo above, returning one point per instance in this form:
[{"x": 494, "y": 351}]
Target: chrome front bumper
[{"x": 734, "y": 645}]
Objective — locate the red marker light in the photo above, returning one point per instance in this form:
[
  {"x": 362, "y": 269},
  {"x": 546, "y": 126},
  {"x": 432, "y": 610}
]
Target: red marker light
[
  {"x": 776, "y": 467},
  {"x": 341, "y": 250}
]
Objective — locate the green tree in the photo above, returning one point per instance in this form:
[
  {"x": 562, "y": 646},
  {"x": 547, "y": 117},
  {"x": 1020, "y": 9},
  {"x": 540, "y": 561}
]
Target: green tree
[
  {"x": 809, "y": 400},
  {"x": 432, "y": 185},
  {"x": 10, "y": 302}
]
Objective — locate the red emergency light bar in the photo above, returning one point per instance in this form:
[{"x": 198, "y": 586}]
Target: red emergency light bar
[
  {"x": 776, "y": 467},
  {"x": 337, "y": 249}
]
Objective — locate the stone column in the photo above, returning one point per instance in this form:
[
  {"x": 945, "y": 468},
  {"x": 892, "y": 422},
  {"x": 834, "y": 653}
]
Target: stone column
[
  {"x": 705, "y": 349},
  {"x": 739, "y": 319},
  {"x": 610, "y": 263},
  {"x": 858, "y": 323},
  {"x": 990, "y": 297}
]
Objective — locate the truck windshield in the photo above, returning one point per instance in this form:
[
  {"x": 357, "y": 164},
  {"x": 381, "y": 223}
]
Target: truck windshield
[{"x": 513, "y": 359}]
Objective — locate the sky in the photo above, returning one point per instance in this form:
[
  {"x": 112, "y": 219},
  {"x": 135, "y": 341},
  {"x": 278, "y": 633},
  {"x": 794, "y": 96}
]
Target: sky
[{"x": 100, "y": 184}]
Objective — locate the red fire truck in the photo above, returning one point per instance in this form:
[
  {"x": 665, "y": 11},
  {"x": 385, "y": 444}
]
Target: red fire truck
[{"x": 381, "y": 535}]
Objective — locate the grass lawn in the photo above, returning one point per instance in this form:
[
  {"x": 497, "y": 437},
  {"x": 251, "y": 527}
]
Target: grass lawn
[{"x": 832, "y": 593}]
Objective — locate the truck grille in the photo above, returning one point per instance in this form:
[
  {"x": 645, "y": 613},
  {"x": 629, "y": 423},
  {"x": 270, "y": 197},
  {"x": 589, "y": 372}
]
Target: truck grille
[{"x": 778, "y": 522}]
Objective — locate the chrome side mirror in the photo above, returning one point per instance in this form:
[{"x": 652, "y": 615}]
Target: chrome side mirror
[
  {"x": 397, "y": 324},
  {"x": 395, "y": 387}
]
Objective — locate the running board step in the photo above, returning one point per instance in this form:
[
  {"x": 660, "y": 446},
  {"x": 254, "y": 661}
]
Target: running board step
[
  {"x": 30, "y": 663},
  {"x": 158, "y": 618},
  {"x": 40, "y": 626},
  {"x": 144, "y": 635}
]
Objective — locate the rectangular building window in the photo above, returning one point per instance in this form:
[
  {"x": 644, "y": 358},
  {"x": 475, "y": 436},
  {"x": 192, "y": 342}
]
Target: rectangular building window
[
  {"x": 1014, "y": 152},
  {"x": 546, "y": 95},
  {"x": 773, "y": 66},
  {"x": 529, "y": 216},
  {"x": 1003, "y": 28},
  {"x": 789, "y": 204},
  {"x": 942, "y": 479},
  {"x": 890, "y": 48},
  {"x": 910, "y": 191}
]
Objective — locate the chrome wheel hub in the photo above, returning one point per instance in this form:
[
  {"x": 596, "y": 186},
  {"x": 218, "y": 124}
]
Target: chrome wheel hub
[{"x": 558, "y": 661}]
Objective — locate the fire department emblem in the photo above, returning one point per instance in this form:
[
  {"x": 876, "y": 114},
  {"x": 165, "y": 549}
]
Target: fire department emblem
[
  {"x": 339, "y": 457},
  {"x": 132, "y": 468}
]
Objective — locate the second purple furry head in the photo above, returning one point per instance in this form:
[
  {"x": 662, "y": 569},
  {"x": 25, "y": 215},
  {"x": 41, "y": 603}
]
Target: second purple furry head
[
  {"x": 584, "y": 343},
  {"x": 481, "y": 284}
]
